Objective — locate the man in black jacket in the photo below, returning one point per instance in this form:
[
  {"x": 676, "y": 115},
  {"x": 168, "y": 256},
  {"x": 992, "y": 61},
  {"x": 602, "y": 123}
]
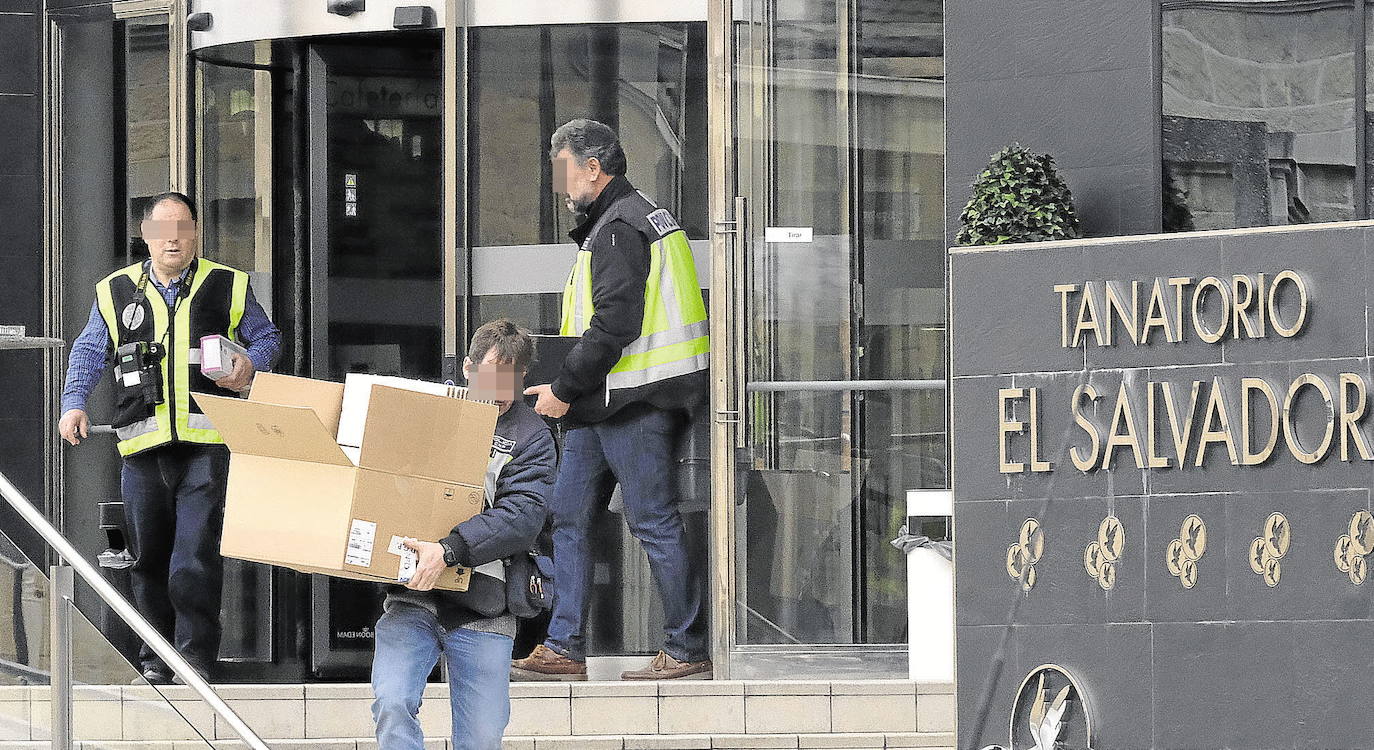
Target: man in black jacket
[
  {"x": 474, "y": 629},
  {"x": 624, "y": 393}
]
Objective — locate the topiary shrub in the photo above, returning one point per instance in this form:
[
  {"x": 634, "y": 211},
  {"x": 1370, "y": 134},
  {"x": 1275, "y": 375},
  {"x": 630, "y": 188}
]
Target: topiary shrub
[{"x": 1019, "y": 197}]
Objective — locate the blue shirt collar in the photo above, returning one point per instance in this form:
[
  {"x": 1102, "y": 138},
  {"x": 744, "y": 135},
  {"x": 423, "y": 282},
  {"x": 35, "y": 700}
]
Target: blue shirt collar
[{"x": 148, "y": 269}]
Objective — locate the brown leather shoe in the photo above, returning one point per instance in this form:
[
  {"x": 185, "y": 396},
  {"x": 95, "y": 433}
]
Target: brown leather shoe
[
  {"x": 665, "y": 667},
  {"x": 544, "y": 665}
]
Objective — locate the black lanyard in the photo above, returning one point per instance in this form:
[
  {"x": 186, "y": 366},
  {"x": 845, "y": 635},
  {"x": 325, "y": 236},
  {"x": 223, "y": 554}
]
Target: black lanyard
[{"x": 183, "y": 291}]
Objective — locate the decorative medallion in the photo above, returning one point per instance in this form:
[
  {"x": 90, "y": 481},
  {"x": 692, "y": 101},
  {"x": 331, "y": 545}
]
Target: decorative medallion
[
  {"x": 1352, "y": 549},
  {"x": 1050, "y": 711},
  {"x": 1182, "y": 554},
  {"x": 1025, "y": 553},
  {"x": 1100, "y": 557},
  {"x": 1266, "y": 551}
]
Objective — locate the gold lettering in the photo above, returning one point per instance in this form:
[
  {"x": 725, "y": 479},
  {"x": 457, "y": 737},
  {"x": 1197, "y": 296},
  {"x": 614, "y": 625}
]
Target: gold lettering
[
  {"x": 1239, "y": 306},
  {"x": 1088, "y": 316},
  {"x": 1156, "y": 314},
  {"x": 1298, "y": 284},
  {"x": 1350, "y": 417},
  {"x": 1290, "y": 433},
  {"x": 1036, "y": 463},
  {"x": 1216, "y": 412},
  {"x": 1248, "y": 385},
  {"x": 1131, "y": 438},
  {"x": 1199, "y": 295},
  {"x": 1156, "y": 461},
  {"x": 1007, "y": 427},
  {"x": 1178, "y": 283},
  {"x": 1116, "y": 307},
  {"x": 1085, "y": 463},
  {"x": 1064, "y": 290},
  {"x": 1181, "y": 432}
]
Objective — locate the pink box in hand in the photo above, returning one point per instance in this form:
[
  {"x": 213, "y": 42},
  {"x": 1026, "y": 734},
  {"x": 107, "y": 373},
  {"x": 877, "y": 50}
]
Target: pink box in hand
[{"x": 215, "y": 356}]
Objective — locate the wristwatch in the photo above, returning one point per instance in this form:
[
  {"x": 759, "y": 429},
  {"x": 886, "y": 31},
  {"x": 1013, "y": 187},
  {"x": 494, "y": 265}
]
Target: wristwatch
[{"x": 450, "y": 557}]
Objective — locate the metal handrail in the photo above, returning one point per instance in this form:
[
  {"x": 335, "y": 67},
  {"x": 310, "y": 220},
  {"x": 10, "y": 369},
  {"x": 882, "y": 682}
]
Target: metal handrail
[
  {"x": 107, "y": 593},
  {"x": 813, "y": 386}
]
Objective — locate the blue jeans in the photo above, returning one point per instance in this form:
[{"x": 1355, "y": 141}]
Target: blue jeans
[
  {"x": 409, "y": 641},
  {"x": 635, "y": 449},
  {"x": 174, "y": 509}
]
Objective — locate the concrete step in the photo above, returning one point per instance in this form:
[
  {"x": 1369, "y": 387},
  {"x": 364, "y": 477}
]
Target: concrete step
[
  {"x": 573, "y": 711},
  {"x": 843, "y": 741}
]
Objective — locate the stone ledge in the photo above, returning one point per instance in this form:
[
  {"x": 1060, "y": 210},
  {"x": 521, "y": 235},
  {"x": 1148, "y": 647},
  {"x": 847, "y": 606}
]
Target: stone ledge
[{"x": 853, "y": 741}]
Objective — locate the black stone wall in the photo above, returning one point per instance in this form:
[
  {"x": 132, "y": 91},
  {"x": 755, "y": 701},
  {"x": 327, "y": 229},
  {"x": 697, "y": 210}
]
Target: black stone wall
[
  {"x": 1074, "y": 78},
  {"x": 22, "y": 427},
  {"x": 1231, "y": 662}
]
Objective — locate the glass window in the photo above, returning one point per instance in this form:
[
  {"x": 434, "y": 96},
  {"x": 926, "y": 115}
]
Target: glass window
[
  {"x": 843, "y": 134},
  {"x": 1259, "y": 125},
  {"x": 648, "y": 81}
]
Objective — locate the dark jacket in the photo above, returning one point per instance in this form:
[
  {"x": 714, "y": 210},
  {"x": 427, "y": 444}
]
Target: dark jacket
[
  {"x": 620, "y": 268},
  {"x": 519, "y": 480}
]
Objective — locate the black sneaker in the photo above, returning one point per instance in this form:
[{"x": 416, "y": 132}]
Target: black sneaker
[{"x": 153, "y": 676}]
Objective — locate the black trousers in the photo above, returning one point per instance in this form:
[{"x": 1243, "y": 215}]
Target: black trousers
[{"x": 174, "y": 505}]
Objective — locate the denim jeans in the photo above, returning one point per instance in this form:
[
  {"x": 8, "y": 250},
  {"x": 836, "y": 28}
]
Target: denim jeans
[
  {"x": 409, "y": 642},
  {"x": 174, "y": 508},
  {"x": 635, "y": 449}
]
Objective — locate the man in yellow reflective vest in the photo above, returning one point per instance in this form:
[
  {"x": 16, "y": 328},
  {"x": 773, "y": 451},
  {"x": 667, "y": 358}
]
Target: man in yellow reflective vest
[
  {"x": 151, "y": 317},
  {"x": 624, "y": 393}
]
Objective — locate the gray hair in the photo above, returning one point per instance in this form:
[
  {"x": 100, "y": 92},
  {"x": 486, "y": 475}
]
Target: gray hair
[{"x": 588, "y": 139}]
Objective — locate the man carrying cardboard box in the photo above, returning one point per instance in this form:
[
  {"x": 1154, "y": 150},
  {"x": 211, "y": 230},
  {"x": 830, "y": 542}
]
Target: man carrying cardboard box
[
  {"x": 474, "y": 630},
  {"x": 151, "y": 317}
]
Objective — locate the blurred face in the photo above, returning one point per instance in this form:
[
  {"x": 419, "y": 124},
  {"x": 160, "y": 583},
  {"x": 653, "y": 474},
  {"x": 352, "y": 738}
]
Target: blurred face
[
  {"x": 490, "y": 380},
  {"x": 170, "y": 233},
  {"x": 579, "y": 184}
]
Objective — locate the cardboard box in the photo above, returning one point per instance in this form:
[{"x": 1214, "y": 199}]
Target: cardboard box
[
  {"x": 296, "y": 499},
  {"x": 216, "y": 359}
]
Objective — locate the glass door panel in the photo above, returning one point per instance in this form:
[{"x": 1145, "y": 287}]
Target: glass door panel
[
  {"x": 839, "y": 153},
  {"x": 376, "y": 232}
]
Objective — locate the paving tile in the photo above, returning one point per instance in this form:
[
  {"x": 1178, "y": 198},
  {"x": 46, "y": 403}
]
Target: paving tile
[
  {"x": 701, "y": 687},
  {"x": 341, "y": 691},
  {"x": 847, "y": 741},
  {"x": 785, "y": 687},
  {"x": 615, "y": 715},
  {"x": 271, "y": 719},
  {"x": 540, "y": 690},
  {"x": 701, "y": 714},
  {"x": 260, "y": 692},
  {"x": 920, "y": 739},
  {"x": 608, "y": 689},
  {"x": 873, "y": 713},
  {"x": 751, "y": 741},
  {"x": 579, "y": 743},
  {"x": 768, "y": 714},
  {"x": 178, "y": 720},
  {"x": 874, "y": 687},
  {"x": 675, "y": 742},
  {"x": 540, "y": 717},
  {"x": 338, "y": 718},
  {"x": 935, "y": 713}
]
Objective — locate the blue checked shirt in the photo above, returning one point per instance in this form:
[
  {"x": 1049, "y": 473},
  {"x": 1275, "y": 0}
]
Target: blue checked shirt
[{"x": 90, "y": 356}]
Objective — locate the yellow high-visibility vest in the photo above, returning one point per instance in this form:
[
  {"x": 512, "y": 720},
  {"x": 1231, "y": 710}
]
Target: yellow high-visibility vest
[
  {"x": 134, "y": 310},
  {"x": 674, "y": 337}
]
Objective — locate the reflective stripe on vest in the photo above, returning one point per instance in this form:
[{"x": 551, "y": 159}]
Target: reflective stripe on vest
[
  {"x": 156, "y": 430},
  {"x": 674, "y": 337}
]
